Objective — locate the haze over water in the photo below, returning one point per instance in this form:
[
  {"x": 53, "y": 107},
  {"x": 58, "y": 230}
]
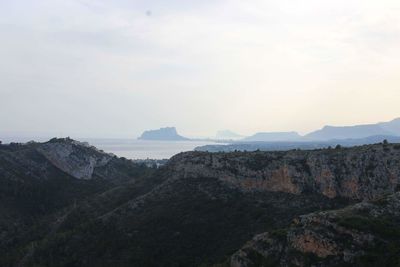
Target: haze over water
[{"x": 143, "y": 149}]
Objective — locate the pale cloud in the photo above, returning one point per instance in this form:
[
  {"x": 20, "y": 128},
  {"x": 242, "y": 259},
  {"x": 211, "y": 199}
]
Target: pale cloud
[{"x": 118, "y": 67}]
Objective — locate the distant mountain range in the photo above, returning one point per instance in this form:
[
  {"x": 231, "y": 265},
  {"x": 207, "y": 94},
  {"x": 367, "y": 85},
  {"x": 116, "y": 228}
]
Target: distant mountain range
[
  {"x": 163, "y": 134},
  {"x": 290, "y": 145},
  {"x": 328, "y": 133},
  {"x": 328, "y": 136},
  {"x": 273, "y": 137},
  {"x": 227, "y": 134},
  {"x": 391, "y": 128}
]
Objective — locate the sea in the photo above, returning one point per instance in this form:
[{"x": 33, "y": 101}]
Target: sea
[
  {"x": 144, "y": 149},
  {"x": 128, "y": 148}
]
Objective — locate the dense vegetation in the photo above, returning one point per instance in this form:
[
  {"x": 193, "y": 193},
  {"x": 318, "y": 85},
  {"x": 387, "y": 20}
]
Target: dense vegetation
[{"x": 182, "y": 214}]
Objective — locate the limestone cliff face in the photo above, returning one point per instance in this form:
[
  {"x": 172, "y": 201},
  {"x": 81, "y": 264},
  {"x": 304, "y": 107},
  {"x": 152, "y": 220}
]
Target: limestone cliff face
[
  {"x": 61, "y": 157},
  {"x": 356, "y": 173},
  {"x": 73, "y": 157},
  {"x": 353, "y": 236}
]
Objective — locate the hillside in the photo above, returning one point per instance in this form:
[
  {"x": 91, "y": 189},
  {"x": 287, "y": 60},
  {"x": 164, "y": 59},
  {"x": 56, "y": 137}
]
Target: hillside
[
  {"x": 197, "y": 210},
  {"x": 38, "y": 181},
  {"x": 366, "y": 234}
]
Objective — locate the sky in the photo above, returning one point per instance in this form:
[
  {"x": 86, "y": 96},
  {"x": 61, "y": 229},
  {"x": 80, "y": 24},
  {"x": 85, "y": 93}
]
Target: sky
[{"x": 116, "y": 68}]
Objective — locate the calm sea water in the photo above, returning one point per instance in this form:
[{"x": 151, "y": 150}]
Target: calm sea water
[
  {"x": 140, "y": 149},
  {"x": 128, "y": 148}
]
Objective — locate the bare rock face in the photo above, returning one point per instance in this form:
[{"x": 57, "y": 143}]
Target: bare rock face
[
  {"x": 364, "y": 172},
  {"x": 73, "y": 157},
  {"x": 353, "y": 236}
]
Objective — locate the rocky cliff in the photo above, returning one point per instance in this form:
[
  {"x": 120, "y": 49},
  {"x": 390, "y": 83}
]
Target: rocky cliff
[
  {"x": 363, "y": 172},
  {"x": 366, "y": 234},
  {"x": 75, "y": 158},
  {"x": 65, "y": 203}
]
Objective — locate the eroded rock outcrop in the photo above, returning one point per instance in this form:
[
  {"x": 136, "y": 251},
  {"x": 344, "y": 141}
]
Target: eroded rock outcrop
[
  {"x": 198, "y": 208},
  {"x": 366, "y": 234},
  {"x": 73, "y": 157},
  {"x": 364, "y": 172}
]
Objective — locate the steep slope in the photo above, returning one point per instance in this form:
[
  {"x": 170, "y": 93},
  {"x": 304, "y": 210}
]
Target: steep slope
[
  {"x": 181, "y": 222},
  {"x": 366, "y": 234},
  {"x": 196, "y": 210},
  {"x": 207, "y": 205},
  {"x": 38, "y": 180}
]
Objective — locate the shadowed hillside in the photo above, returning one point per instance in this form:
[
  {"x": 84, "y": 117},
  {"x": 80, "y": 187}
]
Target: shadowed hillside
[{"x": 197, "y": 210}]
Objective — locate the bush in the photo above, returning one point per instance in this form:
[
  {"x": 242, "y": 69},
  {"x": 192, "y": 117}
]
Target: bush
[{"x": 385, "y": 142}]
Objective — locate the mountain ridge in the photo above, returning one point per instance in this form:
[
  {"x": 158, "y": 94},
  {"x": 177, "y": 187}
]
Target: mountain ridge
[
  {"x": 328, "y": 132},
  {"x": 139, "y": 216},
  {"x": 290, "y": 145},
  {"x": 391, "y": 128},
  {"x": 273, "y": 137}
]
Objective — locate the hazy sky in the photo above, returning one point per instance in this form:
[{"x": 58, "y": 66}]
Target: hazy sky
[{"x": 115, "y": 68}]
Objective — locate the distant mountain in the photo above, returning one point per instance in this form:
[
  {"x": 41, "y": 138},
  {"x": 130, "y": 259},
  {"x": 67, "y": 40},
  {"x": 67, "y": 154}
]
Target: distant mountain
[
  {"x": 391, "y": 128},
  {"x": 227, "y": 134},
  {"x": 273, "y": 137},
  {"x": 163, "y": 134},
  {"x": 290, "y": 145}
]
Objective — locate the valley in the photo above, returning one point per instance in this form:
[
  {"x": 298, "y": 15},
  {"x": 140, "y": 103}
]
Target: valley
[{"x": 66, "y": 203}]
